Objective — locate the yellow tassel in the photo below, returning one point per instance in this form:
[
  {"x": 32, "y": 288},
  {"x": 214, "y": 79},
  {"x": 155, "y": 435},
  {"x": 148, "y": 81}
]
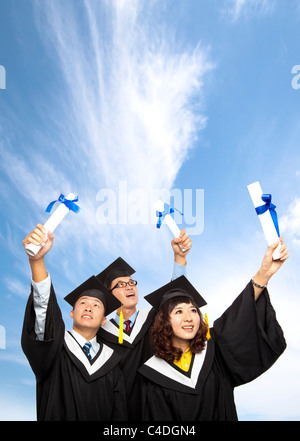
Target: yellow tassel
[
  {"x": 207, "y": 324},
  {"x": 121, "y": 328}
]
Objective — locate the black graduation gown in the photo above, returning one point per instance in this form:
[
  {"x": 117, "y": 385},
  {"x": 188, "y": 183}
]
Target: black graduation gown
[
  {"x": 69, "y": 386},
  {"x": 246, "y": 341},
  {"x": 134, "y": 351}
]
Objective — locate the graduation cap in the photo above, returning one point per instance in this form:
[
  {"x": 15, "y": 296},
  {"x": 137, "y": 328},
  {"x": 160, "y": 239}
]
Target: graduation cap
[
  {"x": 119, "y": 268},
  {"x": 94, "y": 288},
  {"x": 178, "y": 287}
]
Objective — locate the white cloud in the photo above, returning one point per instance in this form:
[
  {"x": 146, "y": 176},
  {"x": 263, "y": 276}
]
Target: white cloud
[
  {"x": 17, "y": 288},
  {"x": 11, "y": 357},
  {"x": 290, "y": 223},
  {"x": 236, "y": 9},
  {"x": 130, "y": 92}
]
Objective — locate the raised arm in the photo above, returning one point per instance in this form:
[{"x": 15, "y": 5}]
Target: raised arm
[
  {"x": 43, "y": 326},
  {"x": 269, "y": 267},
  {"x": 39, "y": 237}
]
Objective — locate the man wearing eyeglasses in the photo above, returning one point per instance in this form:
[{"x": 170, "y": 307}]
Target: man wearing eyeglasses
[{"x": 126, "y": 292}]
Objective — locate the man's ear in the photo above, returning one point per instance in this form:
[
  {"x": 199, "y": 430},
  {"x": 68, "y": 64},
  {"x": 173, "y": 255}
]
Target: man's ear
[
  {"x": 103, "y": 321},
  {"x": 72, "y": 314}
]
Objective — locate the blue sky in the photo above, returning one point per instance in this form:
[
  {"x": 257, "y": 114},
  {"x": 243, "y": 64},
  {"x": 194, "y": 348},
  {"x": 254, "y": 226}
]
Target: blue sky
[{"x": 121, "y": 101}]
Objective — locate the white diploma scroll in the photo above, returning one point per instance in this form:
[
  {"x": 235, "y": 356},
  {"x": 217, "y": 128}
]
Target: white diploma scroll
[
  {"x": 170, "y": 222},
  {"x": 266, "y": 220},
  {"x": 50, "y": 225}
]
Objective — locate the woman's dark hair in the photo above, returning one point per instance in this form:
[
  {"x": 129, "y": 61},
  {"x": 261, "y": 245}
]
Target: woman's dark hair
[{"x": 162, "y": 333}]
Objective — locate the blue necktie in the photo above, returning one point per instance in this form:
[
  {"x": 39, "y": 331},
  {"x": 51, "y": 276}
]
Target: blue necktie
[{"x": 87, "y": 346}]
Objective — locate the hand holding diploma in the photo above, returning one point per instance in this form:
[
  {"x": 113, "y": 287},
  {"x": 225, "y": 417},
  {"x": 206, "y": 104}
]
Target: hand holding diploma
[
  {"x": 39, "y": 237},
  {"x": 163, "y": 212},
  {"x": 40, "y": 240},
  {"x": 183, "y": 242}
]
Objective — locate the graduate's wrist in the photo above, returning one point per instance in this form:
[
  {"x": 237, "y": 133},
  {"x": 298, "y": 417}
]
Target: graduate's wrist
[
  {"x": 38, "y": 269},
  {"x": 262, "y": 277},
  {"x": 36, "y": 261},
  {"x": 181, "y": 260}
]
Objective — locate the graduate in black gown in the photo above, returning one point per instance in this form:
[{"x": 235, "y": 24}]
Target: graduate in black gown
[
  {"x": 78, "y": 376},
  {"x": 194, "y": 371},
  {"x": 134, "y": 346}
]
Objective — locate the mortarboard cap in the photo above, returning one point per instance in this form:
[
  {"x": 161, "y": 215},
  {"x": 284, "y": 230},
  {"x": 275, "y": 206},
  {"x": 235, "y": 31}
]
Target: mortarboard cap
[
  {"x": 94, "y": 288},
  {"x": 119, "y": 268},
  {"x": 178, "y": 287}
]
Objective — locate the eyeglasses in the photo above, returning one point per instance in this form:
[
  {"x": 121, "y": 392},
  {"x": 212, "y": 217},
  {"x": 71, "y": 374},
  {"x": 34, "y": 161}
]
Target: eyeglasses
[{"x": 124, "y": 284}]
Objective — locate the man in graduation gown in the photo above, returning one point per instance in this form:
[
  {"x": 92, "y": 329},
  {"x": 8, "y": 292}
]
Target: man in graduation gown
[
  {"x": 134, "y": 346},
  {"x": 245, "y": 341},
  {"x": 78, "y": 377}
]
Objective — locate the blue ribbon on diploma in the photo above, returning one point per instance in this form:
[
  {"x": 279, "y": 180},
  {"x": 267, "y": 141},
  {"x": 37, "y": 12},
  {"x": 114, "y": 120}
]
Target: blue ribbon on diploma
[
  {"x": 70, "y": 203},
  {"x": 269, "y": 206},
  {"x": 161, "y": 214}
]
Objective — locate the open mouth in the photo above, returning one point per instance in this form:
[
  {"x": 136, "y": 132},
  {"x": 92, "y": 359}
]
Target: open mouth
[
  {"x": 86, "y": 316},
  {"x": 131, "y": 294},
  {"x": 188, "y": 328}
]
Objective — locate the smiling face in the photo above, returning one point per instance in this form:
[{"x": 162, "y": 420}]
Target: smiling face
[
  {"x": 127, "y": 295},
  {"x": 185, "y": 322},
  {"x": 88, "y": 315}
]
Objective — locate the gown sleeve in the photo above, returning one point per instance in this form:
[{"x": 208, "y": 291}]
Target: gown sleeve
[
  {"x": 41, "y": 354},
  {"x": 248, "y": 337}
]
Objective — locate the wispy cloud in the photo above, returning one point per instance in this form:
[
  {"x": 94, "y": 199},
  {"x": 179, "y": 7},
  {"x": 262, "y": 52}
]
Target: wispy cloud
[
  {"x": 130, "y": 91},
  {"x": 236, "y": 9},
  {"x": 10, "y": 357},
  {"x": 32, "y": 177},
  {"x": 16, "y": 288},
  {"x": 290, "y": 222}
]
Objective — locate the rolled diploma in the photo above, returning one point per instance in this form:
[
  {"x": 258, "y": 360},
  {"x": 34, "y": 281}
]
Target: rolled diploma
[
  {"x": 265, "y": 218},
  {"x": 53, "y": 221},
  {"x": 170, "y": 222}
]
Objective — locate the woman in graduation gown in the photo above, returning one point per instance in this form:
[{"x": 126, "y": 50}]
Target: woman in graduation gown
[
  {"x": 194, "y": 371},
  {"x": 77, "y": 380}
]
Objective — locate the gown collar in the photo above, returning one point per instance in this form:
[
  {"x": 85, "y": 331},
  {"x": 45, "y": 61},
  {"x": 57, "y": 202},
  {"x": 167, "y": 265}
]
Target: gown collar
[
  {"x": 102, "y": 363},
  {"x": 110, "y": 331},
  {"x": 168, "y": 375}
]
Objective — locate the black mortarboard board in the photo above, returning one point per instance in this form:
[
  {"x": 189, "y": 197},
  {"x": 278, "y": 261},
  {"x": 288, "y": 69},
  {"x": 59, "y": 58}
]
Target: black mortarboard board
[
  {"x": 178, "y": 287},
  {"x": 119, "y": 268},
  {"x": 94, "y": 288}
]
